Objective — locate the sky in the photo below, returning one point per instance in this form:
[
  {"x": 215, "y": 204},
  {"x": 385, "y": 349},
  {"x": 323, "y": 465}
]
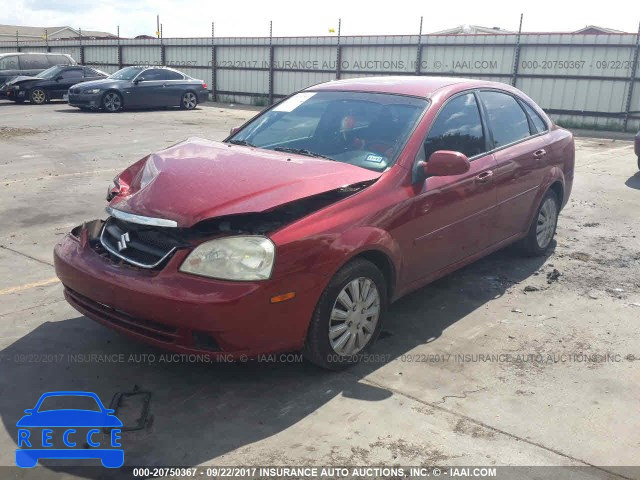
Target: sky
[{"x": 193, "y": 18}]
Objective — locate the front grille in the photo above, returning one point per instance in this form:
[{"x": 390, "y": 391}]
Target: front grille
[
  {"x": 153, "y": 330},
  {"x": 140, "y": 245}
]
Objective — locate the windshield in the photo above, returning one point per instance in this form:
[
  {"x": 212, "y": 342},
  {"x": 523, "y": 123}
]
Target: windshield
[
  {"x": 50, "y": 72},
  {"x": 126, "y": 73},
  {"x": 364, "y": 129}
]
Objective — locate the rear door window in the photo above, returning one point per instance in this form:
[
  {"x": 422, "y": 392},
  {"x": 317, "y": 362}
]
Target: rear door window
[
  {"x": 9, "y": 63},
  {"x": 506, "y": 118},
  {"x": 457, "y": 127},
  {"x": 33, "y": 62}
]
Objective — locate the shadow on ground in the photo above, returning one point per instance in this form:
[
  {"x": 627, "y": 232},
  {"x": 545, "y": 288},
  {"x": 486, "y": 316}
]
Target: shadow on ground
[
  {"x": 633, "y": 181},
  {"x": 201, "y": 411}
]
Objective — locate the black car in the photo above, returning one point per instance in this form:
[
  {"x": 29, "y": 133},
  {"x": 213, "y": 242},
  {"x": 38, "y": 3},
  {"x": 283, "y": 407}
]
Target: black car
[
  {"x": 31, "y": 64},
  {"x": 140, "y": 87},
  {"x": 50, "y": 84}
]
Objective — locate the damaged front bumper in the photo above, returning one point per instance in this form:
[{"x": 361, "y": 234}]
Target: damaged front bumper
[{"x": 181, "y": 312}]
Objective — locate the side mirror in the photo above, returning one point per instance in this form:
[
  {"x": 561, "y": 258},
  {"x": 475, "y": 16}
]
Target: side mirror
[
  {"x": 58, "y": 78},
  {"x": 444, "y": 163},
  {"x": 138, "y": 80},
  {"x": 235, "y": 130}
]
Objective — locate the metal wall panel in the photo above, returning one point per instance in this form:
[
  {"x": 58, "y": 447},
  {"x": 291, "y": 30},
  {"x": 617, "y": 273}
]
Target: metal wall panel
[
  {"x": 576, "y": 60},
  {"x": 185, "y": 56},
  {"x": 308, "y": 57},
  {"x": 141, "y": 55},
  {"x": 387, "y": 58},
  {"x": 243, "y": 57},
  {"x": 288, "y": 82},
  {"x": 467, "y": 60},
  {"x": 243, "y": 81},
  {"x": 100, "y": 55},
  {"x": 582, "y": 95}
]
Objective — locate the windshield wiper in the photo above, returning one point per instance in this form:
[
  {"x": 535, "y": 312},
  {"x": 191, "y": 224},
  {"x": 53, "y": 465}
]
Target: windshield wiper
[
  {"x": 241, "y": 142},
  {"x": 302, "y": 151}
]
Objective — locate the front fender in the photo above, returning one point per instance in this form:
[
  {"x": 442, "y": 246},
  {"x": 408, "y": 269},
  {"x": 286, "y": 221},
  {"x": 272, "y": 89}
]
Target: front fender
[{"x": 363, "y": 240}]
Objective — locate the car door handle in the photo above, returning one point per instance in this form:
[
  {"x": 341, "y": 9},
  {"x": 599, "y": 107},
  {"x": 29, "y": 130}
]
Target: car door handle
[
  {"x": 484, "y": 177},
  {"x": 164, "y": 84},
  {"x": 539, "y": 154}
]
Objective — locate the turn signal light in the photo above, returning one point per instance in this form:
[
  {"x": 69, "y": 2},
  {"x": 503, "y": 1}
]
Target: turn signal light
[{"x": 283, "y": 298}]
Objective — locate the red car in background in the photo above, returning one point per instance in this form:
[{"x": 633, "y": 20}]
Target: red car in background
[
  {"x": 298, "y": 230},
  {"x": 637, "y": 148}
]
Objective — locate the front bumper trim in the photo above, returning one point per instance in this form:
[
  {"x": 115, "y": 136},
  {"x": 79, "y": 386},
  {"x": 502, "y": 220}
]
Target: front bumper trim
[{"x": 140, "y": 219}]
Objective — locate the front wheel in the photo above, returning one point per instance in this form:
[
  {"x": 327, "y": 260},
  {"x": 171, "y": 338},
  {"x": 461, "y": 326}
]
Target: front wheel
[
  {"x": 112, "y": 102},
  {"x": 38, "y": 96},
  {"x": 543, "y": 227},
  {"x": 188, "y": 101},
  {"x": 348, "y": 316}
]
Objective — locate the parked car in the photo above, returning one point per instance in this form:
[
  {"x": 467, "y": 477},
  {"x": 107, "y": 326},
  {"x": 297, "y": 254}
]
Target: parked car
[
  {"x": 51, "y": 84},
  {"x": 140, "y": 87},
  {"x": 298, "y": 230},
  {"x": 29, "y": 64}
]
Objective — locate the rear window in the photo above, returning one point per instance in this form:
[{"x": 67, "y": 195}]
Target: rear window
[
  {"x": 9, "y": 63},
  {"x": 538, "y": 123},
  {"x": 58, "y": 59},
  {"x": 171, "y": 75},
  {"x": 33, "y": 62}
]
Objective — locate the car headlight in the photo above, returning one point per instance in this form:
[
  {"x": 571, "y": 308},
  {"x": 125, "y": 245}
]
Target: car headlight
[
  {"x": 92, "y": 90},
  {"x": 232, "y": 258}
]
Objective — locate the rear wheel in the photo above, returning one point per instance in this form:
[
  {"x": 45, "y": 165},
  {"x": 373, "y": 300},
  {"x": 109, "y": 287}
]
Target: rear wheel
[
  {"x": 112, "y": 102},
  {"x": 347, "y": 319},
  {"x": 38, "y": 96},
  {"x": 543, "y": 227},
  {"x": 188, "y": 101}
]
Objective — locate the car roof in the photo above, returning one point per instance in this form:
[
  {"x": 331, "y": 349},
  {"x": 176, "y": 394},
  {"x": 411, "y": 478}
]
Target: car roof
[{"x": 419, "y": 86}]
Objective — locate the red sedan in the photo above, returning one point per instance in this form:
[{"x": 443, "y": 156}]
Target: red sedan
[{"x": 298, "y": 230}]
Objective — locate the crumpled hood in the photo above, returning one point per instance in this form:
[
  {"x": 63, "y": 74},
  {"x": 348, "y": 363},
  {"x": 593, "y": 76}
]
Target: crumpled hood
[
  {"x": 200, "y": 179},
  {"x": 20, "y": 79}
]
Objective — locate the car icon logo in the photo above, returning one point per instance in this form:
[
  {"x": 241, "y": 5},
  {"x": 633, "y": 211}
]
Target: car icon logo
[
  {"x": 77, "y": 429},
  {"x": 123, "y": 242}
]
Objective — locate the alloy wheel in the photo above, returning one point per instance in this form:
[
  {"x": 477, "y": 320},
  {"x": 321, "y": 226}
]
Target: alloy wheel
[
  {"x": 112, "y": 102},
  {"x": 189, "y": 101},
  {"x": 354, "y": 316},
  {"x": 38, "y": 96},
  {"x": 546, "y": 225}
]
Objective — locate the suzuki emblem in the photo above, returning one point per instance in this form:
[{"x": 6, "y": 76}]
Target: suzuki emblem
[{"x": 122, "y": 243}]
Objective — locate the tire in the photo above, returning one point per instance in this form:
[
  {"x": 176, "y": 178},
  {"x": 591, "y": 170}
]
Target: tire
[
  {"x": 543, "y": 227},
  {"x": 38, "y": 96},
  {"x": 111, "y": 102},
  {"x": 188, "y": 101},
  {"x": 638, "y": 162},
  {"x": 332, "y": 313}
]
